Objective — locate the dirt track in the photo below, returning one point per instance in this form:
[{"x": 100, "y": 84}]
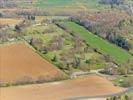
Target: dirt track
[
  {"x": 20, "y": 63},
  {"x": 86, "y": 86}
]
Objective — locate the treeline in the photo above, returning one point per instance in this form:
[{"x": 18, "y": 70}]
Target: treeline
[
  {"x": 7, "y": 3},
  {"x": 120, "y": 97},
  {"x": 112, "y": 2},
  {"x": 119, "y": 41},
  {"x": 108, "y": 32},
  {"x": 117, "y": 2}
]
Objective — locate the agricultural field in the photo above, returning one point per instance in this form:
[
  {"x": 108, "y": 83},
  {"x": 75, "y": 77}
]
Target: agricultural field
[
  {"x": 66, "y": 49},
  {"x": 69, "y": 3},
  {"x": 89, "y": 86},
  {"x": 9, "y": 21},
  {"x": 59, "y": 3},
  {"x": 19, "y": 64},
  {"x": 118, "y": 55},
  {"x": 60, "y": 6}
]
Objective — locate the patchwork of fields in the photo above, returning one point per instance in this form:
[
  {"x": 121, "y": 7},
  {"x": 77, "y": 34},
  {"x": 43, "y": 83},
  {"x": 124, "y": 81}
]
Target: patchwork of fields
[
  {"x": 19, "y": 64},
  {"x": 47, "y": 53},
  {"x": 117, "y": 54}
]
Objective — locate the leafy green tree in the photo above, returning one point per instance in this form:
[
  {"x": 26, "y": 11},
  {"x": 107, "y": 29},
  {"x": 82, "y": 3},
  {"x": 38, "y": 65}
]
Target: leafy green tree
[
  {"x": 1, "y": 15},
  {"x": 54, "y": 59},
  {"x": 126, "y": 97}
]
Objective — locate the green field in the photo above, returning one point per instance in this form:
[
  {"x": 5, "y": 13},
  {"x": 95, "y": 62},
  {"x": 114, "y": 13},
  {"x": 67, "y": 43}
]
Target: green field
[
  {"x": 57, "y": 5},
  {"x": 117, "y": 54},
  {"x": 85, "y": 4},
  {"x": 49, "y": 3}
]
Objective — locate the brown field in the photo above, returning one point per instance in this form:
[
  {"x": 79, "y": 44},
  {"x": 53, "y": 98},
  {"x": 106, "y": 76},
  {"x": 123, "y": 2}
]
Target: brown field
[
  {"x": 80, "y": 87},
  {"x": 19, "y": 63},
  {"x": 13, "y": 10},
  {"x": 9, "y": 21}
]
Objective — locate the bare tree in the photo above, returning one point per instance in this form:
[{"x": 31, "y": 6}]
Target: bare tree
[{"x": 56, "y": 43}]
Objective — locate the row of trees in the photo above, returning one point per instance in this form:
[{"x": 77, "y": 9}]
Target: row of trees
[
  {"x": 7, "y": 3},
  {"x": 112, "y": 2},
  {"x": 111, "y": 28},
  {"x": 31, "y": 17},
  {"x": 120, "y": 97},
  {"x": 119, "y": 41}
]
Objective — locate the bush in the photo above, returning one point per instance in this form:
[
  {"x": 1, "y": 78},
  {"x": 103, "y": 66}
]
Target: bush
[
  {"x": 128, "y": 82},
  {"x": 122, "y": 70},
  {"x": 1, "y": 15},
  {"x": 54, "y": 59}
]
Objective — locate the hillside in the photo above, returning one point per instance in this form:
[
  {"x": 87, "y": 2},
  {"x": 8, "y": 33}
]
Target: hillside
[
  {"x": 66, "y": 49},
  {"x": 118, "y": 55}
]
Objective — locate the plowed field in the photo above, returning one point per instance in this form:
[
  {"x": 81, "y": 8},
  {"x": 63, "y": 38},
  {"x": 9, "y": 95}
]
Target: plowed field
[
  {"x": 9, "y": 21},
  {"x": 20, "y": 63},
  {"x": 80, "y": 87}
]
